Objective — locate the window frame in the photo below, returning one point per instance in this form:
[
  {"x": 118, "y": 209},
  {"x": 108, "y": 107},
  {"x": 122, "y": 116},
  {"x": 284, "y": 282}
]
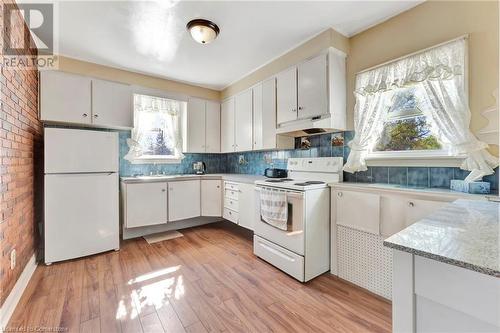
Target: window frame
[
  {"x": 159, "y": 159},
  {"x": 436, "y": 158}
]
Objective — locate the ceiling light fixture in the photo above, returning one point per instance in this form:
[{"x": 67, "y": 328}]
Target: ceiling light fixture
[{"x": 203, "y": 31}]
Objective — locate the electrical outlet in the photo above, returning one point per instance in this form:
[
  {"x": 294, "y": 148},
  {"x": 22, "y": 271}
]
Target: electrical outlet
[{"x": 13, "y": 259}]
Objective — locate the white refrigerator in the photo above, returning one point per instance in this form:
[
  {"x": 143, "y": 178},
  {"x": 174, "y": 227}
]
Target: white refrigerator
[{"x": 81, "y": 193}]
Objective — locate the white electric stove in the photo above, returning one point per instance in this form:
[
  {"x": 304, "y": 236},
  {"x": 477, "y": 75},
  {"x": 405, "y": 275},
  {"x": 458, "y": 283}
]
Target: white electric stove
[{"x": 303, "y": 250}]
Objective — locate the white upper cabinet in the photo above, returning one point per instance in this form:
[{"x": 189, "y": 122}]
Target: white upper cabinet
[
  {"x": 312, "y": 87},
  {"x": 196, "y": 119},
  {"x": 286, "y": 95},
  {"x": 111, "y": 104},
  {"x": 77, "y": 99},
  {"x": 312, "y": 94},
  {"x": 65, "y": 97},
  {"x": 227, "y": 126},
  {"x": 243, "y": 121},
  {"x": 203, "y": 126},
  {"x": 212, "y": 127},
  {"x": 257, "y": 117}
]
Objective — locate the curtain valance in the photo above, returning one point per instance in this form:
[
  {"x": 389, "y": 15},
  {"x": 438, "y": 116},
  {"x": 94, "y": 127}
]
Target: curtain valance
[{"x": 439, "y": 63}]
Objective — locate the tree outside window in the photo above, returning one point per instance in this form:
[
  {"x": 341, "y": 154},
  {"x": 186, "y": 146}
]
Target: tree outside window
[{"x": 406, "y": 128}]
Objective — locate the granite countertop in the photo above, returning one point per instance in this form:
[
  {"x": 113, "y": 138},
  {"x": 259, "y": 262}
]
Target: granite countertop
[
  {"x": 239, "y": 178},
  {"x": 463, "y": 233}
]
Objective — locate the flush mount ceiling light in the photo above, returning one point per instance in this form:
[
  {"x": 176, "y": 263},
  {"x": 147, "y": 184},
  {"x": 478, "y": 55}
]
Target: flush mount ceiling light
[{"x": 203, "y": 31}]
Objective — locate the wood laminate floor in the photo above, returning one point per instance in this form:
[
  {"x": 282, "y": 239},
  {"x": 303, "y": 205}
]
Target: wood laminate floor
[{"x": 207, "y": 281}]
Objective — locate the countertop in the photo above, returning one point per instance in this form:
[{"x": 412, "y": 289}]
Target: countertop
[
  {"x": 239, "y": 178},
  {"x": 463, "y": 233},
  {"x": 410, "y": 189}
]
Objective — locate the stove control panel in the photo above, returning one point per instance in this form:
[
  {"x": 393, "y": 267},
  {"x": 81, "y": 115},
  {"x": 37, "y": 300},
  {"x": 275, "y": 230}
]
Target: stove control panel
[{"x": 316, "y": 164}]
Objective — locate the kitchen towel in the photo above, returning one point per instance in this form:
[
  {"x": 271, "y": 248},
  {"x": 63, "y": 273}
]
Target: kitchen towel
[{"x": 274, "y": 208}]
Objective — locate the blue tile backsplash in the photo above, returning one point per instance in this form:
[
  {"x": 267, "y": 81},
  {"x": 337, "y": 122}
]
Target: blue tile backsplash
[{"x": 320, "y": 146}]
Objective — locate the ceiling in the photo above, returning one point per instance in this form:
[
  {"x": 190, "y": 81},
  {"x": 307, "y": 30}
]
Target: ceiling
[{"x": 150, "y": 36}]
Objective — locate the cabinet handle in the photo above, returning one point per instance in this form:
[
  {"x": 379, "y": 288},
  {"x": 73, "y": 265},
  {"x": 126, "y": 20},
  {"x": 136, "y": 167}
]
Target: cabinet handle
[
  {"x": 163, "y": 190},
  {"x": 301, "y": 108},
  {"x": 96, "y": 115},
  {"x": 218, "y": 186},
  {"x": 411, "y": 204},
  {"x": 84, "y": 115},
  {"x": 339, "y": 194}
]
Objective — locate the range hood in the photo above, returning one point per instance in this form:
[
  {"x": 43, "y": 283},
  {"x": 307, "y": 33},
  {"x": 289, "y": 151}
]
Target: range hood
[{"x": 313, "y": 126}]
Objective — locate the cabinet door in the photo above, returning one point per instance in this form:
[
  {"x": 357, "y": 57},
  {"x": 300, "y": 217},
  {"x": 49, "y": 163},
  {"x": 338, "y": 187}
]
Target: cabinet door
[
  {"x": 286, "y": 95},
  {"x": 257, "y": 117},
  {"x": 246, "y": 201},
  {"x": 196, "y": 125},
  {"x": 212, "y": 127},
  {"x": 312, "y": 87},
  {"x": 419, "y": 209},
  {"x": 269, "y": 114},
  {"x": 146, "y": 204},
  {"x": 111, "y": 104},
  {"x": 81, "y": 215},
  {"x": 211, "y": 197},
  {"x": 349, "y": 214},
  {"x": 65, "y": 97},
  {"x": 183, "y": 200},
  {"x": 227, "y": 126},
  {"x": 243, "y": 121}
]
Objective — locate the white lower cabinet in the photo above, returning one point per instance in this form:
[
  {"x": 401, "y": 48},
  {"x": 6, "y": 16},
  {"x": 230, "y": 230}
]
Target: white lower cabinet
[
  {"x": 362, "y": 218},
  {"x": 211, "y": 197},
  {"x": 183, "y": 200},
  {"x": 231, "y": 202},
  {"x": 239, "y": 208},
  {"x": 145, "y": 204},
  {"x": 246, "y": 201}
]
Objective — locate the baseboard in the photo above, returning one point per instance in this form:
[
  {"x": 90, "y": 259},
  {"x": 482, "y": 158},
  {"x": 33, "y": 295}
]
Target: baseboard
[{"x": 11, "y": 301}]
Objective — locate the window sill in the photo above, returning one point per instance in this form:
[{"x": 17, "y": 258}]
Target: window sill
[
  {"x": 156, "y": 160},
  {"x": 414, "y": 159}
]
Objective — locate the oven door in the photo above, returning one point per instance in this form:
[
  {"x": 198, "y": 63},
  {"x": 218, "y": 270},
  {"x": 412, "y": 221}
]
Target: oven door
[{"x": 293, "y": 238}]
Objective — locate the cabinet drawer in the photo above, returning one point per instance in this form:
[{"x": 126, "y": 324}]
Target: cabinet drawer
[
  {"x": 287, "y": 261},
  {"x": 231, "y": 215},
  {"x": 231, "y": 204},
  {"x": 231, "y": 194},
  {"x": 231, "y": 186}
]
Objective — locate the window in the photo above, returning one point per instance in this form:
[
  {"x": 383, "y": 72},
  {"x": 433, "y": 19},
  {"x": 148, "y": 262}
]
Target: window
[
  {"x": 157, "y": 133},
  {"x": 406, "y": 127},
  {"x": 413, "y": 111}
]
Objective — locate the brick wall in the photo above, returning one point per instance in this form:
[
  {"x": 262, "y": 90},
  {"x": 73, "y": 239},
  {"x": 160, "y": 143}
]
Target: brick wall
[{"x": 21, "y": 167}]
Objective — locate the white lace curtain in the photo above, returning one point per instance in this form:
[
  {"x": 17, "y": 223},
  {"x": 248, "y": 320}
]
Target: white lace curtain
[
  {"x": 439, "y": 75},
  {"x": 171, "y": 124}
]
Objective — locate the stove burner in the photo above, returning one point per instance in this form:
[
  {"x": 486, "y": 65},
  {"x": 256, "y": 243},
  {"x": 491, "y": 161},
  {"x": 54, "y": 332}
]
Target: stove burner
[
  {"x": 311, "y": 182},
  {"x": 278, "y": 180}
]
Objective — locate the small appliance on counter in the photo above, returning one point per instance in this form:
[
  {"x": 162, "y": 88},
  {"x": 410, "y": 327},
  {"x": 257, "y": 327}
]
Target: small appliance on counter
[
  {"x": 275, "y": 173},
  {"x": 200, "y": 168}
]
